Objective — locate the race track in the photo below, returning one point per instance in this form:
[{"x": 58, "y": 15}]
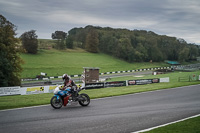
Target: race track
[{"x": 121, "y": 114}]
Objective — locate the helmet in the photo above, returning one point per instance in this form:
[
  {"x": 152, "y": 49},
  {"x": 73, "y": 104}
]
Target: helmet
[{"x": 65, "y": 76}]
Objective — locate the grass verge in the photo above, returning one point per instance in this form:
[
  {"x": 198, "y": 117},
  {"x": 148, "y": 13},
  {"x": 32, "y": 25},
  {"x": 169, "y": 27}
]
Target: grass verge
[{"x": 187, "y": 126}]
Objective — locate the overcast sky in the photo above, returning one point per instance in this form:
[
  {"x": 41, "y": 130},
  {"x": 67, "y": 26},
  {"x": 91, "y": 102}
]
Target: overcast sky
[{"x": 178, "y": 18}]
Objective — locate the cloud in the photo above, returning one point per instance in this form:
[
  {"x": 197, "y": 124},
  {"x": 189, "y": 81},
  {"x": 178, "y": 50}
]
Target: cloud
[{"x": 167, "y": 17}]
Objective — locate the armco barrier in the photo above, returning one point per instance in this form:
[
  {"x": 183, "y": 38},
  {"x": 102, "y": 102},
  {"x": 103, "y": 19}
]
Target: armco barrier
[{"x": 49, "y": 89}]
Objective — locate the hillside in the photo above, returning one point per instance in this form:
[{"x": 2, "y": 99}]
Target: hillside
[{"x": 55, "y": 63}]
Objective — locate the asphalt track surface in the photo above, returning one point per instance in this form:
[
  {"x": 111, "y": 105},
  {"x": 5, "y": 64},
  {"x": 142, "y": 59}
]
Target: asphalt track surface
[{"x": 120, "y": 114}]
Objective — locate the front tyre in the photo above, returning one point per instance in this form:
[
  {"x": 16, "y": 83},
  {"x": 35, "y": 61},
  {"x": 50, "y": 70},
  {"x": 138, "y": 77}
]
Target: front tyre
[
  {"x": 85, "y": 101},
  {"x": 56, "y": 103}
]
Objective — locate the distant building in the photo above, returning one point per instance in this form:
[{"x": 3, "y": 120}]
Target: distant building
[{"x": 172, "y": 62}]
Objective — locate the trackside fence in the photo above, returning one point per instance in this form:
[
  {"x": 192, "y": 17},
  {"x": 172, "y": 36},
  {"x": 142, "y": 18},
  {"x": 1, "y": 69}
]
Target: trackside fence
[{"x": 193, "y": 77}]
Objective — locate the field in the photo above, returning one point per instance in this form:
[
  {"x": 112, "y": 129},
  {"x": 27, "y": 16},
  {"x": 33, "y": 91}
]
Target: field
[{"x": 55, "y": 63}]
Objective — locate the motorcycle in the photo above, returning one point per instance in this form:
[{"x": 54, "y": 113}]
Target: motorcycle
[{"x": 68, "y": 96}]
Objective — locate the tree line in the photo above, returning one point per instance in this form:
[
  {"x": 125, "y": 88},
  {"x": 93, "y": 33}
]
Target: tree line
[
  {"x": 129, "y": 45},
  {"x": 133, "y": 45}
]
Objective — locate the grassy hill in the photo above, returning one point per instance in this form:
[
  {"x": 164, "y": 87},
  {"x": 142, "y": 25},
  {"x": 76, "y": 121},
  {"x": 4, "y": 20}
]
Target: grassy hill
[{"x": 55, "y": 63}]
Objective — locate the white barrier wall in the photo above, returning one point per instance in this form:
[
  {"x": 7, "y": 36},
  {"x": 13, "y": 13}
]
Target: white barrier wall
[
  {"x": 26, "y": 90},
  {"x": 10, "y": 91},
  {"x": 39, "y": 89}
]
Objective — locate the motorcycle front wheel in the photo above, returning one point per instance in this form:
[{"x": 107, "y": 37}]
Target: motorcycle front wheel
[
  {"x": 56, "y": 103},
  {"x": 85, "y": 101}
]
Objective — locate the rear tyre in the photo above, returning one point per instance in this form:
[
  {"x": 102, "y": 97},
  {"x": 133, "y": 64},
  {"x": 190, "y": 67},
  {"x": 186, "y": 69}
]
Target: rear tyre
[
  {"x": 56, "y": 103},
  {"x": 85, "y": 101}
]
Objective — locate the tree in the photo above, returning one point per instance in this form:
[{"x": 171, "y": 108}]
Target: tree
[
  {"x": 193, "y": 52},
  {"x": 108, "y": 43},
  {"x": 125, "y": 50},
  {"x": 10, "y": 61},
  {"x": 183, "y": 54},
  {"x": 141, "y": 53},
  {"x": 92, "y": 41},
  {"x": 29, "y": 41},
  {"x": 60, "y": 36},
  {"x": 69, "y": 42},
  {"x": 79, "y": 35}
]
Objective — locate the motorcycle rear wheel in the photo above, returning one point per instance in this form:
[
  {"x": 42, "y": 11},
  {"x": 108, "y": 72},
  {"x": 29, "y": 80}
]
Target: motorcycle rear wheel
[
  {"x": 86, "y": 100},
  {"x": 56, "y": 103}
]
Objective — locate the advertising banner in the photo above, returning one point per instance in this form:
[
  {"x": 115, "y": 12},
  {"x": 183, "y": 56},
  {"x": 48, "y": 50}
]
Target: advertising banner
[
  {"x": 35, "y": 90},
  {"x": 155, "y": 80},
  {"x": 164, "y": 79},
  {"x": 131, "y": 82},
  {"x": 51, "y": 89},
  {"x": 9, "y": 91},
  {"x": 115, "y": 84},
  {"x": 94, "y": 85},
  {"x": 142, "y": 81}
]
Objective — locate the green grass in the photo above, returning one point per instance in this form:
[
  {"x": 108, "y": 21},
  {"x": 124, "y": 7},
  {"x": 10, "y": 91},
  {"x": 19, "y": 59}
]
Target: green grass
[
  {"x": 55, "y": 63},
  {"x": 187, "y": 126},
  {"x": 9, "y": 102}
]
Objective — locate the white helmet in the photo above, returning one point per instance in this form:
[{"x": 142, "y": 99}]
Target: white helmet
[{"x": 65, "y": 76}]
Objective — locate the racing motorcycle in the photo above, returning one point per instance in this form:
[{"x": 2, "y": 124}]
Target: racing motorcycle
[{"x": 68, "y": 96}]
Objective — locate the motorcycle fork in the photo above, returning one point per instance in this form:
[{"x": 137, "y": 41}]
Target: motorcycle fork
[{"x": 57, "y": 97}]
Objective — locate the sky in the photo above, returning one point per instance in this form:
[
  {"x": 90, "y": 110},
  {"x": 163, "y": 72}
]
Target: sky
[{"x": 176, "y": 18}]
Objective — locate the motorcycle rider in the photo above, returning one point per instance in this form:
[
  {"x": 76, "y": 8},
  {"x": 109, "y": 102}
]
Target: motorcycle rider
[{"x": 68, "y": 82}]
